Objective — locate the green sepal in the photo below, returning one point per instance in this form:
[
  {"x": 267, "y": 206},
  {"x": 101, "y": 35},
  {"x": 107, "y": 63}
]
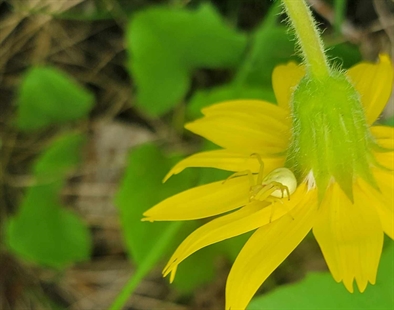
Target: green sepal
[{"x": 331, "y": 137}]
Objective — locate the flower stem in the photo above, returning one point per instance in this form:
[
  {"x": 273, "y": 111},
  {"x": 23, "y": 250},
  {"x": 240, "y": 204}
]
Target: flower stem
[{"x": 308, "y": 37}]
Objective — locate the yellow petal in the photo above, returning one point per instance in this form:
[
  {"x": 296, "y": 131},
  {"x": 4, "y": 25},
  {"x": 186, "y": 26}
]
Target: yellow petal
[
  {"x": 385, "y": 138},
  {"x": 385, "y": 201},
  {"x": 385, "y": 180},
  {"x": 259, "y": 108},
  {"x": 284, "y": 79},
  {"x": 202, "y": 201},
  {"x": 262, "y": 112},
  {"x": 385, "y": 159},
  {"x": 384, "y": 133},
  {"x": 350, "y": 237},
  {"x": 250, "y": 217},
  {"x": 249, "y": 125},
  {"x": 384, "y": 204},
  {"x": 227, "y": 160},
  {"x": 266, "y": 249},
  {"x": 374, "y": 83}
]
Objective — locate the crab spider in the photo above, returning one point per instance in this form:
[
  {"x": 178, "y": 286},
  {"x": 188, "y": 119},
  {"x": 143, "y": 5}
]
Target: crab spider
[{"x": 279, "y": 183}]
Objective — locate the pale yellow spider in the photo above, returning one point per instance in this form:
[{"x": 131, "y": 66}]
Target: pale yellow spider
[{"x": 279, "y": 183}]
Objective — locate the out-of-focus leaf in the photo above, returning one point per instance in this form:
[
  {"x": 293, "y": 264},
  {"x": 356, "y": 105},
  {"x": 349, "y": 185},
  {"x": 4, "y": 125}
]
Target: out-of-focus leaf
[
  {"x": 48, "y": 96},
  {"x": 205, "y": 98},
  {"x": 197, "y": 269},
  {"x": 43, "y": 231},
  {"x": 46, "y": 233},
  {"x": 61, "y": 157},
  {"x": 141, "y": 189},
  {"x": 320, "y": 291},
  {"x": 165, "y": 45},
  {"x": 388, "y": 122},
  {"x": 231, "y": 247},
  {"x": 345, "y": 54},
  {"x": 272, "y": 46}
]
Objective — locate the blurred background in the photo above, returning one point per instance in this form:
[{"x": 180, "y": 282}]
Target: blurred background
[{"x": 94, "y": 97}]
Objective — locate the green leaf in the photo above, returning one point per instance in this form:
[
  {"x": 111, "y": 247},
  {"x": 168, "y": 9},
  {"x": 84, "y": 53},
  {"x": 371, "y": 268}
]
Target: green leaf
[
  {"x": 141, "y": 189},
  {"x": 46, "y": 233},
  {"x": 59, "y": 158},
  {"x": 165, "y": 45},
  {"x": 205, "y": 98},
  {"x": 197, "y": 269},
  {"x": 388, "y": 122},
  {"x": 345, "y": 54},
  {"x": 47, "y": 97},
  {"x": 43, "y": 231},
  {"x": 231, "y": 247},
  {"x": 320, "y": 291},
  {"x": 270, "y": 46}
]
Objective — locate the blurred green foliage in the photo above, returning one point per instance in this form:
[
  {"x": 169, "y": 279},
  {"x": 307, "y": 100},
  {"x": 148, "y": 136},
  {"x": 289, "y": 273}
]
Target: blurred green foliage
[
  {"x": 47, "y": 97},
  {"x": 142, "y": 188},
  {"x": 166, "y": 45},
  {"x": 43, "y": 231}
]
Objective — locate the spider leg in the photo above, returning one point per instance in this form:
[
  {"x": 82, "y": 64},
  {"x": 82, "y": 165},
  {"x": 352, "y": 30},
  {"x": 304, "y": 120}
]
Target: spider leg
[
  {"x": 265, "y": 193},
  {"x": 261, "y": 171},
  {"x": 282, "y": 188},
  {"x": 240, "y": 174},
  {"x": 274, "y": 200}
]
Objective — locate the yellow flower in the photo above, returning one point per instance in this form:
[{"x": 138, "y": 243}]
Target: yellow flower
[{"x": 348, "y": 225}]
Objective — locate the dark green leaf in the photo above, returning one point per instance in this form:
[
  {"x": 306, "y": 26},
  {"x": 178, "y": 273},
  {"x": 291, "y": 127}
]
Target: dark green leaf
[
  {"x": 165, "y": 45},
  {"x": 272, "y": 46},
  {"x": 345, "y": 54},
  {"x": 197, "y": 269},
  {"x": 319, "y": 291},
  {"x": 232, "y": 247},
  {"x": 48, "y": 96}
]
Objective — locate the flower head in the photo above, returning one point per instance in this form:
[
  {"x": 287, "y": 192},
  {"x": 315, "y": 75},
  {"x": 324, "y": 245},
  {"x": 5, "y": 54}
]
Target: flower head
[{"x": 321, "y": 131}]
